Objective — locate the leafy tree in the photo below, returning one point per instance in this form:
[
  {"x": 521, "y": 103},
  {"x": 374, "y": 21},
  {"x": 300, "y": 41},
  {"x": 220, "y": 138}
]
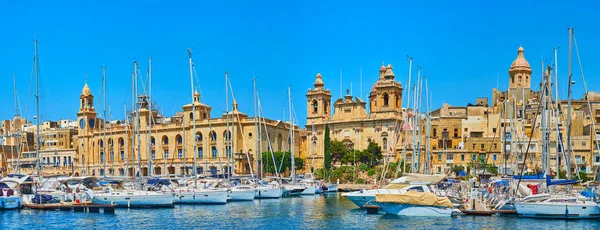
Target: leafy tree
[
  {"x": 372, "y": 154},
  {"x": 327, "y": 150},
  {"x": 269, "y": 167},
  {"x": 337, "y": 151}
]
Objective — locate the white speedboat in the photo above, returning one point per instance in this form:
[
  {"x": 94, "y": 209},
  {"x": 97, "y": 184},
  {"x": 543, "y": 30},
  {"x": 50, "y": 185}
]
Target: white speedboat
[
  {"x": 329, "y": 188},
  {"x": 408, "y": 182},
  {"x": 293, "y": 189},
  {"x": 268, "y": 192},
  {"x": 361, "y": 198},
  {"x": 414, "y": 203}
]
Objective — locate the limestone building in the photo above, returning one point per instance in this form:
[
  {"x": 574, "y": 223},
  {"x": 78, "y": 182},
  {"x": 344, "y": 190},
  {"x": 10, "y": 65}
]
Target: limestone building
[
  {"x": 350, "y": 122},
  {"x": 165, "y": 145}
]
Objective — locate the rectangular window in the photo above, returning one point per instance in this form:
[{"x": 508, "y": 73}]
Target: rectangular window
[
  {"x": 64, "y": 161},
  {"x": 474, "y": 146},
  {"x": 200, "y": 154},
  {"x": 583, "y": 143},
  {"x": 495, "y": 157},
  {"x": 473, "y": 156},
  {"x": 495, "y": 146},
  {"x": 214, "y": 152},
  {"x": 482, "y": 146},
  {"x": 166, "y": 154},
  {"x": 228, "y": 151},
  {"x": 102, "y": 156},
  {"x": 455, "y": 133},
  {"x": 122, "y": 155},
  {"x": 153, "y": 154},
  {"x": 69, "y": 160},
  {"x": 434, "y": 132},
  {"x": 583, "y": 159},
  {"x": 439, "y": 157},
  {"x": 494, "y": 130},
  {"x": 180, "y": 153},
  {"x": 112, "y": 156},
  {"x": 58, "y": 161},
  {"x": 466, "y": 129},
  {"x": 462, "y": 157},
  {"x": 577, "y": 159}
]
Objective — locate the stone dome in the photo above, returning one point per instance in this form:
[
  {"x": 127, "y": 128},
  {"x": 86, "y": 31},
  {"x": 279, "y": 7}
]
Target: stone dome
[{"x": 520, "y": 63}]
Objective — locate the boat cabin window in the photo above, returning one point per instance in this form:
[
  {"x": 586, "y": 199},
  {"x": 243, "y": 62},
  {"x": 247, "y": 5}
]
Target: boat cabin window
[{"x": 416, "y": 189}]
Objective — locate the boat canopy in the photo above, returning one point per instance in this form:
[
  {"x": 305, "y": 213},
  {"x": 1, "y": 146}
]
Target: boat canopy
[
  {"x": 530, "y": 177},
  {"x": 159, "y": 181},
  {"x": 560, "y": 182},
  {"x": 414, "y": 198},
  {"x": 419, "y": 178}
]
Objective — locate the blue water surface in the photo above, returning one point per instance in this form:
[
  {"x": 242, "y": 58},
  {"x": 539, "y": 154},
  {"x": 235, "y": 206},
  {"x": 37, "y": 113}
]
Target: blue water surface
[{"x": 307, "y": 212}]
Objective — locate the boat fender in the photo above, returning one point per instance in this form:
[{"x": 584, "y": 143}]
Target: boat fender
[
  {"x": 2, "y": 204},
  {"x": 19, "y": 203},
  {"x": 375, "y": 187}
]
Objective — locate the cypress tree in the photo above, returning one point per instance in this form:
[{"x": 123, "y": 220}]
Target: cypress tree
[{"x": 327, "y": 150}]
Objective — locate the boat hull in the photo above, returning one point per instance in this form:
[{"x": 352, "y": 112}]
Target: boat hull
[
  {"x": 558, "y": 211},
  {"x": 241, "y": 195},
  {"x": 268, "y": 193},
  {"x": 415, "y": 210},
  {"x": 13, "y": 202},
  {"x": 331, "y": 188},
  {"x": 310, "y": 190},
  {"x": 200, "y": 197},
  {"x": 130, "y": 200},
  {"x": 360, "y": 199}
]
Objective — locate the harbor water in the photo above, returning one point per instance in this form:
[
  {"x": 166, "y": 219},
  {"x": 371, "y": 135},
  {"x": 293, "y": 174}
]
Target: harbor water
[{"x": 329, "y": 211}]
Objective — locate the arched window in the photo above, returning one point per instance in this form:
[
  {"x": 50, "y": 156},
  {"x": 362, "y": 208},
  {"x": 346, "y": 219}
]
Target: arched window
[
  {"x": 386, "y": 99},
  {"x": 179, "y": 139},
  {"x": 325, "y": 108},
  {"x": 191, "y": 116},
  {"x": 397, "y": 102},
  {"x": 110, "y": 142},
  {"x": 519, "y": 78},
  {"x": 512, "y": 79},
  {"x": 121, "y": 141},
  {"x": 315, "y": 105},
  {"x": 213, "y": 136},
  {"x": 227, "y": 135},
  {"x": 385, "y": 144},
  {"x": 89, "y": 103},
  {"x": 100, "y": 143},
  {"x": 165, "y": 140},
  {"x": 82, "y": 103},
  {"x": 152, "y": 141},
  {"x": 198, "y": 136}
]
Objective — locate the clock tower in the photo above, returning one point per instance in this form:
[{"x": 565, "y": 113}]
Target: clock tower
[{"x": 87, "y": 123}]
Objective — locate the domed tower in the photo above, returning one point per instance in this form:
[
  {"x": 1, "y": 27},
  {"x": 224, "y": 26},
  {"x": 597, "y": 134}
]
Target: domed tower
[
  {"x": 318, "y": 101},
  {"x": 519, "y": 80},
  {"x": 520, "y": 71},
  {"x": 86, "y": 125},
  {"x": 386, "y": 94}
]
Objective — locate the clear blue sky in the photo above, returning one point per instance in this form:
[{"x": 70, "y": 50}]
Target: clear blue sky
[{"x": 462, "y": 46}]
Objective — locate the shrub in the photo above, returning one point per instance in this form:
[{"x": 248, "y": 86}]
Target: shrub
[
  {"x": 371, "y": 172},
  {"x": 360, "y": 181}
]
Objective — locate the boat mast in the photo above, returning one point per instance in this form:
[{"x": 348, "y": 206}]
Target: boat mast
[
  {"x": 104, "y": 121},
  {"x": 570, "y": 74},
  {"x": 414, "y": 123},
  {"x": 406, "y": 118},
  {"x": 543, "y": 123},
  {"x": 17, "y": 134},
  {"x": 193, "y": 118},
  {"x": 293, "y": 169},
  {"x": 504, "y": 152},
  {"x": 257, "y": 154},
  {"x": 149, "y": 143},
  {"x": 137, "y": 118},
  {"x": 132, "y": 125},
  {"x": 427, "y": 131},
  {"x": 37, "y": 109},
  {"x": 228, "y": 132},
  {"x": 557, "y": 114}
]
